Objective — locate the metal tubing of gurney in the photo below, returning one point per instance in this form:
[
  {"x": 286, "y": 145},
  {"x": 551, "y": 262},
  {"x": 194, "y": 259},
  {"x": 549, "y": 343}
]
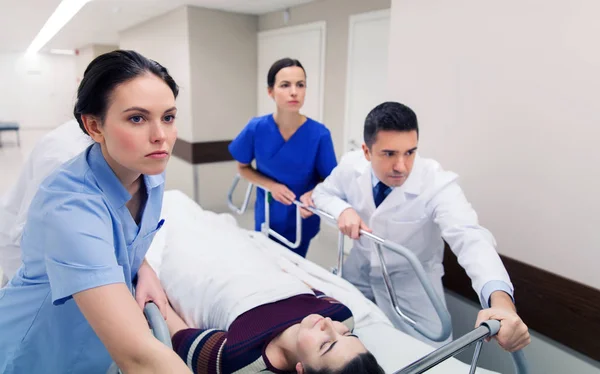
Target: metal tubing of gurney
[
  {"x": 265, "y": 227},
  {"x": 438, "y": 305},
  {"x": 488, "y": 328},
  {"x": 159, "y": 329},
  {"x": 232, "y": 206}
]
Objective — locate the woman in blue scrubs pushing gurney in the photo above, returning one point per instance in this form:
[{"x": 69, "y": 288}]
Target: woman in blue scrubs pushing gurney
[
  {"x": 69, "y": 308},
  {"x": 293, "y": 154}
]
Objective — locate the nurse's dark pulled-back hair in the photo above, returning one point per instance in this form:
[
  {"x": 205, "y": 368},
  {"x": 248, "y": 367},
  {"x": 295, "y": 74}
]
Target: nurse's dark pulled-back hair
[
  {"x": 106, "y": 72},
  {"x": 281, "y": 64},
  {"x": 364, "y": 363},
  {"x": 389, "y": 116}
]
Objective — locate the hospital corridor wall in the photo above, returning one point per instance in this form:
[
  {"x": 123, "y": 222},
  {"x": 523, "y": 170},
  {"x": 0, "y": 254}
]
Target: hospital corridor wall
[
  {"x": 506, "y": 96},
  {"x": 37, "y": 92}
]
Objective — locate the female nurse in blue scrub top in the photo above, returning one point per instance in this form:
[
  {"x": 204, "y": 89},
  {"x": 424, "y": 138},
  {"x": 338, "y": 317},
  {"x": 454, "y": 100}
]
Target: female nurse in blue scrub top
[
  {"x": 293, "y": 154},
  {"x": 70, "y": 308}
]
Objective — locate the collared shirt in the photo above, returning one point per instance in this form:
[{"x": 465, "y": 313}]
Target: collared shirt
[
  {"x": 489, "y": 288},
  {"x": 79, "y": 235}
]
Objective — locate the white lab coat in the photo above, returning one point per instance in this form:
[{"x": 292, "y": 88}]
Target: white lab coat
[
  {"x": 51, "y": 151},
  {"x": 428, "y": 208}
]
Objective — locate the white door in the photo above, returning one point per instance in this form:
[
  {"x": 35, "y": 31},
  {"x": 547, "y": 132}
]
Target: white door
[
  {"x": 366, "y": 85},
  {"x": 305, "y": 43}
]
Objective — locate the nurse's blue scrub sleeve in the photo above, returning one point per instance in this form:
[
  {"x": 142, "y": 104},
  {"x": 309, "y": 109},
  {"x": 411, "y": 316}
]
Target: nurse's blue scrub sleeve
[
  {"x": 82, "y": 254},
  {"x": 79, "y": 235},
  {"x": 299, "y": 163}
]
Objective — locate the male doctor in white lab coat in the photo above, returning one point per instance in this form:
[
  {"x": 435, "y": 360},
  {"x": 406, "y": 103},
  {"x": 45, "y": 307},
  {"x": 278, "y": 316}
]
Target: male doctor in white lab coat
[{"x": 388, "y": 189}]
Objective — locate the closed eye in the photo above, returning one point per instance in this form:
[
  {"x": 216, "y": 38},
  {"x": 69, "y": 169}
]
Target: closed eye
[{"x": 330, "y": 347}]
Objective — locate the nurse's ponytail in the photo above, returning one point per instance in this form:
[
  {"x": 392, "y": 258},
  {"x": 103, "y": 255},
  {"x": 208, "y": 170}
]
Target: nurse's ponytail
[{"x": 106, "y": 72}]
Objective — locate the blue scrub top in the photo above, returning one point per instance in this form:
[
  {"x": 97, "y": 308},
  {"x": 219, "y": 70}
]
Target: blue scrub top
[
  {"x": 79, "y": 235},
  {"x": 299, "y": 163}
]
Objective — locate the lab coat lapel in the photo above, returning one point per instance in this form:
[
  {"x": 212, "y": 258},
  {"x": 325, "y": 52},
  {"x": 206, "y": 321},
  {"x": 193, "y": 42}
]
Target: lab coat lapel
[
  {"x": 408, "y": 191},
  {"x": 366, "y": 202},
  {"x": 392, "y": 202}
]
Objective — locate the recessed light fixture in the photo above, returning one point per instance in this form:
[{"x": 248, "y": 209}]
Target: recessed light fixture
[
  {"x": 62, "y": 14},
  {"x": 63, "y": 51}
]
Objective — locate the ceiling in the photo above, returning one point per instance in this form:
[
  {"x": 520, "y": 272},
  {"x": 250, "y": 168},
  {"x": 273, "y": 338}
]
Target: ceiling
[{"x": 100, "y": 21}]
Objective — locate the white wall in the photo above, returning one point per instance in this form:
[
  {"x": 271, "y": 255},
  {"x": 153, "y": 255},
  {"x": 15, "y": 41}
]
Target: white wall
[
  {"x": 86, "y": 54},
  {"x": 506, "y": 96},
  {"x": 506, "y": 93},
  {"x": 223, "y": 50},
  {"x": 38, "y": 91}
]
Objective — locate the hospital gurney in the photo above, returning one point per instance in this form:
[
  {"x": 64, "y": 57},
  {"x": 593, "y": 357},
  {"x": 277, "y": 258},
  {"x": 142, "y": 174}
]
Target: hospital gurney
[{"x": 477, "y": 336}]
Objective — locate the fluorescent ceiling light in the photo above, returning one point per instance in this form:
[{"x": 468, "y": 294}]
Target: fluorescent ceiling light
[
  {"x": 62, "y": 51},
  {"x": 61, "y": 16}
]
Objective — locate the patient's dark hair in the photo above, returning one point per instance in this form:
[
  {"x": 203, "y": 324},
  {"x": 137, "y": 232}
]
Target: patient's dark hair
[
  {"x": 389, "y": 116},
  {"x": 364, "y": 363},
  {"x": 106, "y": 72}
]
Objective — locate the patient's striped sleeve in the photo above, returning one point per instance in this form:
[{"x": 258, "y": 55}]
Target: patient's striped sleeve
[{"x": 200, "y": 349}]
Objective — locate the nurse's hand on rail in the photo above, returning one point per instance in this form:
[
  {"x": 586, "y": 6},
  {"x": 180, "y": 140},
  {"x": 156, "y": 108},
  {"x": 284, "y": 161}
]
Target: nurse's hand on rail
[
  {"x": 306, "y": 199},
  {"x": 282, "y": 194},
  {"x": 149, "y": 289},
  {"x": 513, "y": 334},
  {"x": 350, "y": 223}
]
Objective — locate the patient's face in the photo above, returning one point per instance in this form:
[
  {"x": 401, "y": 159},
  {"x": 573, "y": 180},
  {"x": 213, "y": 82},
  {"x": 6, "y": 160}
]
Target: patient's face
[{"x": 324, "y": 343}]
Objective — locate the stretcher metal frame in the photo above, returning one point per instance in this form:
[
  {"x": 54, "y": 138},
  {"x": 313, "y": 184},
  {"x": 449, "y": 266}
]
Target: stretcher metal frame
[{"x": 477, "y": 336}]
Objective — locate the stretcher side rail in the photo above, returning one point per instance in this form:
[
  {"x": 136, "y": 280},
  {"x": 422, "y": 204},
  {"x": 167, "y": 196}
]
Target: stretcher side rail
[
  {"x": 159, "y": 328},
  {"x": 476, "y": 336},
  {"x": 442, "y": 312},
  {"x": 265, "y": 226}
]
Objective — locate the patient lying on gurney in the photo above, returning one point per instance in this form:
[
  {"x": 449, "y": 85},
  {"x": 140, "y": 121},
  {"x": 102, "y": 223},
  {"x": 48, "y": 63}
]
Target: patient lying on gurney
[
  {"x": 249, "y": 315},
  {"x": 305, "y": 334}
]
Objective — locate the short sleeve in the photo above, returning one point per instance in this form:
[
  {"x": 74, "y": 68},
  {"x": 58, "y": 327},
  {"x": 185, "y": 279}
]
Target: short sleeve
[
  {"x": 79, "y": 249},
  {"x": 242, "y": 147},
  {"x": 326, "y": 160}
]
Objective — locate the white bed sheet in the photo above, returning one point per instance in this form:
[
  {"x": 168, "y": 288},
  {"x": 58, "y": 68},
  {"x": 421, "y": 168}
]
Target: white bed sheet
[{"x": 393, "y": 349}]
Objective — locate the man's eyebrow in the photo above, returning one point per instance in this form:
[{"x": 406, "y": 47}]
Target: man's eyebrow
[
  {"x": 329, "y": 349},
  {"x": 396, "y": 151}
]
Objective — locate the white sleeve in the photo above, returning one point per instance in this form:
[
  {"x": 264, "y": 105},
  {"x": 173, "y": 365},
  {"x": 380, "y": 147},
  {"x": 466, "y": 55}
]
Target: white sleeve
[
  {"x": 473, "y": 245},
  {"x": 330, "y": 195}
]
